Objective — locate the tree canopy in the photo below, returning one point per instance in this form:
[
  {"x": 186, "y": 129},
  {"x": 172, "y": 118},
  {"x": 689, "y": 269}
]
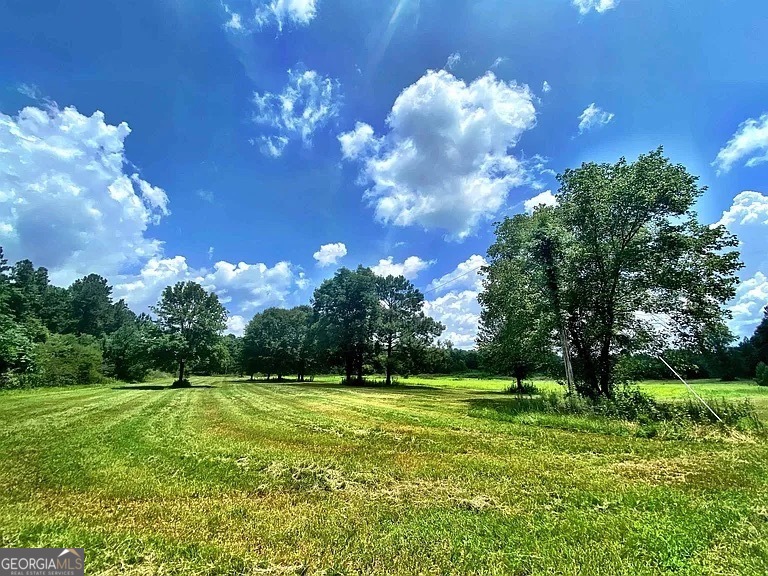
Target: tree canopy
[
  {"x": 621, "y": 249},
  {"x": 190, "y": 319}
]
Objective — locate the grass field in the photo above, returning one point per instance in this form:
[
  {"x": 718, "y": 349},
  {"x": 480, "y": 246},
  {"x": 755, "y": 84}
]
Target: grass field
[{"x": 430, "y": 478}]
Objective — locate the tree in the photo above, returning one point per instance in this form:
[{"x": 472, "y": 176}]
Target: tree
[
  {"x": 191, "y": 319},
  {"x": 91, "y": 305},
  {"x": 275, "y": 342},
  {"x": 516, "y": 324},
  {"x": 66, "y": 360},
  {"x": 125, "y": 352},
  {"x": 347, "y": 310},
  {"x": 402, "y": 325},
  {"x": 621, "y": 249},
  {"x": 759, "y": 339}
]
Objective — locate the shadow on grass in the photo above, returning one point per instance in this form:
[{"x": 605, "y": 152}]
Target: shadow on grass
[
  {"x": 338, "y": 385},
  {"x": 158, "y": 387},
  {"x": 511, "y": 405}
]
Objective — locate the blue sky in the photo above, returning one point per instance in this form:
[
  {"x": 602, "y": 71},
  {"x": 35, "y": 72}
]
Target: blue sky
[{"x": 236, "y": 138}]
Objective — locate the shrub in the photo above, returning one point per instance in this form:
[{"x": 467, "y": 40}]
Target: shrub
[
  {"x": 66, "y": 360},
  {"x": 761, "y": 374},
  {"x": 526, "y": 388}
]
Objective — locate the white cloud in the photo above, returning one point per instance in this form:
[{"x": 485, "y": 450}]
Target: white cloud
[
  {"x": 586, "y": 6},
  {"x": 66, "y": 200},
  {"x": 498, "y": 62},
  {"x": 750, "y": 141},
  {"x": 545, "y": 87},
  {"x": 747, "y": 217},
  {"x": 453, "y": 59},
  {"x": 210, "y": 252},
  {"x": 236, "y": 325},
  {"x": 282, "y": 12},
  {"x": 593, "y": 117},
  {"x": 242, "y": 287},
  {"x": 330, "y": 254},
  {"x": 459, "y": 312},
  {"x": 445, "y": 161},
  {"x": 467, "y": 275},
  {"x": 279, "y": 13},
  {"x": 457, "y": 308},
  {"x": 307, "y": 103},
  {"x": 29, "y": 90},
  {"x": 546, "y": 198},
  {"x": 235, "y": 21},
  {"x": 409, "y": 268},
  {"x": 748, "y": 305},
  {"x": 357, "y": 141},
  {"x": 748, "y": 207}
]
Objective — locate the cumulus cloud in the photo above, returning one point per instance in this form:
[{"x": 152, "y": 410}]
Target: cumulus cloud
[
  {"x": 67, "y": 201},
  {"x": 455, "y": 304},
  {"x": 444, "y": 162},
  {"x": 243, "y": 288},
  {"x": 250, "y": 15},
  {"x": 453, "y": 59},
  {"x": 306, "y": 103},
  {"x": 282, "y": 12},
  {"x": 409, "y": 268},
  {"x": 748, "y": 207},
  {"x": 357, "y": 142},
  {"x": 748, "y": 305},
  {"x": 236, "y": 325},
  {"x": 546, "y": 198},
  {"x": 586, "y": 6},
  {"x": 593, "y": 117},
  {"x": 330, "y": 254},
  {"x": 545, "y": 87},
  {"x": 747, "y": 217},
  {"x": 466, "y": 275},
  {"x": 750, "y": 143}
]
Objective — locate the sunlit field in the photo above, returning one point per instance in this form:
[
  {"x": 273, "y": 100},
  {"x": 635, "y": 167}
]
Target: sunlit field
[{"x": 435, "y": 476}]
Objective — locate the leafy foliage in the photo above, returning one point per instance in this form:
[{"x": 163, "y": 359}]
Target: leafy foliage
[
  {"x": 66, "y": 360},
  {"x": 761, "y": 374},
  {"x": 621, "y": 249},
  {"x": 190, "y": 320}
]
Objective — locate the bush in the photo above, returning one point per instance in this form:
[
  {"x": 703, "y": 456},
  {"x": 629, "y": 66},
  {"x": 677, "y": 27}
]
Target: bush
[
  {"x": 761, "y": 374},
  {"x": 632, "y": 405},
  {"x": 66, "y": 360},
  {"x": 526, "y": 388}
]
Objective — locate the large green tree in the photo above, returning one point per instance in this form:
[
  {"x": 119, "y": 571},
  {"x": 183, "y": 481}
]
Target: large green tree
[
  {"x": 516, "y": 323},
  {"x": 347, "y": 311},
  {"x": 191, "y": 321},
  {"x": 621, "y": 250},
  {"x": 759, "y": 339},
  {"x": 402, "y": 326},
  {"x": 275, "y": 342}
]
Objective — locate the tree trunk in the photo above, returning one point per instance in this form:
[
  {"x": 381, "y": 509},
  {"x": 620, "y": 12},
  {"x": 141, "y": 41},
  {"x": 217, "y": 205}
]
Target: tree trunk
[
  {"x": 389, "y": 361},
  {"x": 519, "y": 384},
  {"x": 181, "y": 371},
  {"x": 348, "y": 366}
]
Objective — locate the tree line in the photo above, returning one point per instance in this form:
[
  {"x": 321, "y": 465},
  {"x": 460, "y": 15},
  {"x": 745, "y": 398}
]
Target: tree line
[
  {"x": 591, "y": 290},
  {"x": 358, "y": 323}
]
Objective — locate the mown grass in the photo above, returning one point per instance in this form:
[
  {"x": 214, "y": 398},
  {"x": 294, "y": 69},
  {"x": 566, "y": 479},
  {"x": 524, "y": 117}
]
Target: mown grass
[{"x": 438, "y": 476}]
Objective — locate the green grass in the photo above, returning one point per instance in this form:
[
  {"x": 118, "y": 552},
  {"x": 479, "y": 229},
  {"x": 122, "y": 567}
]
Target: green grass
[{"x": 434, "y": 477}]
